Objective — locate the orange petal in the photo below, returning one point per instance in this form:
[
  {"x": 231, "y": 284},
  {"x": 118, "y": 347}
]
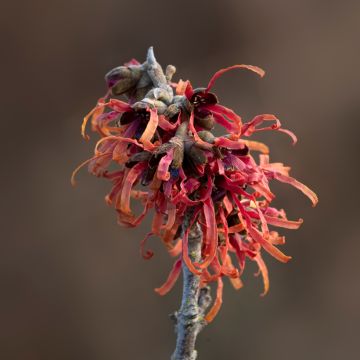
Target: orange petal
[
  {"x": 171, "y": 214},
  {"x": 297, "y": 184},
  {"x": 217, "y": 303},
  {"x": 150, "y": 130},
  {"x": 167, "y": 125},
  {"x": 73, "y": 181},
  {"x": 255, "y": 69},
  {"x": 264, "y": 272},
  {"x": 211, "y": 235},
  {"x": 171, "y": 280},
  {"x": 96, "y": 111},
  {"x": 256, "y": 146},
  {"x": 181, "y": 87},
  {"x": 176, "y": 250},
  {"x": 163, "y": 167},
  {"x": 270, "y": 248},
  {"x": 288, "y": 224},
  {"x": 236, "y": 228},
  {"x": 129, "y": 181},
  {"x": 227, "y": 204}
]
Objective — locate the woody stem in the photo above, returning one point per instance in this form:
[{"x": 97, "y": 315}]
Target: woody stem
[{"x": 190, "y": 318}]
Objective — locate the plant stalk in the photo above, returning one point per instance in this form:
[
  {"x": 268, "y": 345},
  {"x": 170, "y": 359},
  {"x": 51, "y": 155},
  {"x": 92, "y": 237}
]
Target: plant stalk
[{"x": 190, "y": 318}]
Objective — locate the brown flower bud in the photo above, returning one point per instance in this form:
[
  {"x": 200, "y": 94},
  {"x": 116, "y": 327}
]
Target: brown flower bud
[
  {"x": 169, "y": 72},
  {"x": 122, "y": 78},
  {"x": 178, "y": 158},
  {"x": 206, "y": 121},
  {"x": 160, "y": 94},
  {"x": 172, "y": 110},
  {"x": 150, "y": 103},
  {"x": 206, "y": 136},
  {"x": 196, "y": 155}
]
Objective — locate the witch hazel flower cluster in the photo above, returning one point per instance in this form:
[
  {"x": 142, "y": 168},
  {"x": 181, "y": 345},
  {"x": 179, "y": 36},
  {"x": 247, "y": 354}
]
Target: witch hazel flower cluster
[{"x": 159, "y": 144}]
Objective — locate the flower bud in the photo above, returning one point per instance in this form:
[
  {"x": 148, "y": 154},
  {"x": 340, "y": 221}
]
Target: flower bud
[
  {"x": 206, "y": 136},
  {"x": 122, "y": 78},
  {"x": 204, "y": 119},
  {"x": 196, "y": 155},
  {"x": 172, "y": 110},
  {"x": 169, "y": 72}
]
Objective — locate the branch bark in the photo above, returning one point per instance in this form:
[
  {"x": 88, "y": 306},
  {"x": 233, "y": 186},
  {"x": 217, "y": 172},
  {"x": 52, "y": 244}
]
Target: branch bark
[{"x": 190, "y": 318}]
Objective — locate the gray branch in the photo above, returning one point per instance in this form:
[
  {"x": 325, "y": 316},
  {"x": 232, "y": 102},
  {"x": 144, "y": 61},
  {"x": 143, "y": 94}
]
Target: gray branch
[{"x": 190, "y": 318}]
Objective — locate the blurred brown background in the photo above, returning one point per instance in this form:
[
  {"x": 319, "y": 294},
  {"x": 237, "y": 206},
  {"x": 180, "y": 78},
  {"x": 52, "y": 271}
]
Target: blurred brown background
[{"x": 72, "y": 283}]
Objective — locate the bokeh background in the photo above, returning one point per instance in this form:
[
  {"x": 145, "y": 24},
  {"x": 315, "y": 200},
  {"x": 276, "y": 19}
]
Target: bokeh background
[{"x": 73, "y": 285}]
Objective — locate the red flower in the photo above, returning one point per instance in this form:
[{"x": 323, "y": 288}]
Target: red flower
[{"x": 161, "y": 140}]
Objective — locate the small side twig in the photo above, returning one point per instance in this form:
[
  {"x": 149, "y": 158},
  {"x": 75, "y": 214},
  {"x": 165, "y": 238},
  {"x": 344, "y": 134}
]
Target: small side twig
[{"x": 190, "y": 318}]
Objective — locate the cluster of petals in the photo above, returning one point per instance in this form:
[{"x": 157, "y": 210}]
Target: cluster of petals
[{"x": 167, "y": 158}]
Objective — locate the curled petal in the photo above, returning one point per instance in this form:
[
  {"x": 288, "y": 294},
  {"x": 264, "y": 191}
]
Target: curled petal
[
  {"x": 236, "y": 228},
  {"x": 227, "y": 204},
  {"x": 270, "y": 248},
  {"x": 171, "y": 217},
  {"x": 129, "y": 181},
  {"x": 288, "y": 224},
  {"x": 298, "y": 185},
  {"x": 229, "y": 144},
  {"x": 264, "y": 272},
  {"x": 189, "y": 90},
  {"x": 235, "y": 281},
  {"x": 183, "y": 87},
  {"x": 185, "y": 252},
  {"x": 290, "y": 133},
  {"x": 224, "y": 122},
  {"x": 263, "y": 189},
  {"x": 255, "y": 69},
  {"x": 256, "y": 146},
  {"x": 276, "y": 239},
  {"x": 167, "y": 125},
  {"x": 168, "y": 235},
  {"x": 164, "y": 164},
  {"x": 100, "y": 122},
  {"x": 251, "y": 126},
  {"x": 130, "y": 220},
  {"x": 264, "y": 159},
  {"x": 224, "y": 249},
  {"x": 211, "y": 235},
  {"x": 171, "y": 280},
  {"x": 139, "y": 195},
  {"x": 217, "y": 303},
  {"x": 96, "y": 111},
  {"x": 119, "y": 139},
  {"x": 73, "y": 181},
  {"x": 185, "y": 245},
  {"x": 220, "y": 165},
  {"x": 176, "y": 250},
  {"x": 276, "y": 167},
  {"x": 228, "y": 113},
  {"x": 118, "y": 105},
  {"x": 150, "y": 130}
]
